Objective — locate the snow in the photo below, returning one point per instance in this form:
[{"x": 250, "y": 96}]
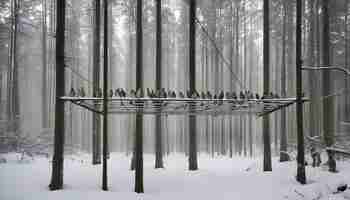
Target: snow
[{"x": 219, "y": 179}]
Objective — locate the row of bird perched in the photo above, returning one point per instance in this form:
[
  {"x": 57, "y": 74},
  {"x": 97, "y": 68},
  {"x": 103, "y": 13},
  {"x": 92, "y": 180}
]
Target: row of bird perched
[{"x": 162, "y": 93}]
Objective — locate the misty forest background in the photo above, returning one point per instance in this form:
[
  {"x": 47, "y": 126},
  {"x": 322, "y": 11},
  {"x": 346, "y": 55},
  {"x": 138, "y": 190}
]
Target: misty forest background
[{"x": 229, "y": 46}]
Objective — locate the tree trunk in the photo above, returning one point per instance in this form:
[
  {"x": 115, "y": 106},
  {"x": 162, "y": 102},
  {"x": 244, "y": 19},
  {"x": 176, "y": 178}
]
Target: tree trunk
[
  {"x": 139, "y": 86},
  {"x": 96, "y": 119},
  {"x": 105, "y": 96},
  {"x": 266, "y": 119},
  {"x": 193, "y": 163},
  {"x": 301, "y": 178},
  {"x": 328, "y": 104},
  {"x": 44, "y": 70},
  {"x": 283, "y": 140},
  {"x": 57, "y": 161},
  {"x": 159, "y": 150}
]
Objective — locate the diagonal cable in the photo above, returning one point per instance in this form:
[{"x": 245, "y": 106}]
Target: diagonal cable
[{"x": 227, "y": 64}]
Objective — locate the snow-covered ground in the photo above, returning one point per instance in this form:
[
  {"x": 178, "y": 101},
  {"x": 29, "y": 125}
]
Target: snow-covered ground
[{"x": 217, "y": 179}]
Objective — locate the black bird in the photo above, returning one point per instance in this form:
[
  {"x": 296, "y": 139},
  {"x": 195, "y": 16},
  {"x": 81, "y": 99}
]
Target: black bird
[
  {"x": 195, "y": 95},
  {"x": 221, "y": 95},
  {"x": 163, "y": 93},
  {"x": 342, "y": 188},
  {"x": 202, "y": 95},
  {"x": 170, "y": 94},
  {"x": 82, "y": 92},
  {"x": 257, "y": 96},
  {"x": 188, "y": 94},
  {"x": 209, "y": 95},
  {"x": 234, "y": 95},
  {"x": 181, "y": 95},
  {"x": 241, "y": 95},
  {"x": 215, "y": 97},
  {"x": 111, "y": 93},
  {"x": 173, "y": 95},
  {"x": 271, "y": 95},
  {"x": 139, "y": 93},
  {"x": 72, "y": 92},
  {"x": 133, "y": 93},
  {"x": 149, "y": 93},
  {"x": 122, "y": 93}
]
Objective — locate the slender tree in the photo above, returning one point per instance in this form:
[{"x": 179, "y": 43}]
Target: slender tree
[
  {"x": 96, "y": 119},
  {"x": 45, "y": 122},
  {"x": 301, "y": 178},
  {"x": 159, "y": 151},
  {"x": 57, "y": 161},
  {"x": 193, "y": 163},
  {"x": 266, "y": 120},
  {"x": 328, "y": 104},
  {"x": 283, "y": 140},
  {"x": 139, "y": 117},
  {"x": 105, "y": 96}
]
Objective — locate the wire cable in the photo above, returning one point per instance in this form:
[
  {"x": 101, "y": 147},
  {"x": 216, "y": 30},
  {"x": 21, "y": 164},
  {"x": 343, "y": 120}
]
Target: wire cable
[{"x": 227, "y": 64}]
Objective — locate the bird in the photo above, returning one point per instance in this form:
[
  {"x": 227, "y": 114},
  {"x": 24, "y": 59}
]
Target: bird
[
  {"x": 139, "y": 93},
  {"x": 188, "y": 94},
  {"x": 234, "y": 95},
  {"x": 181, "y": 95},
  {"x": 149, "y": 93},
  {"x": 342, "y": 188},
  {"x": 221, "y": 95},
  {"x": 169, "y": 93},
  {"x": 72, "y": 92},
  {"x": 209, "y": 95},
  {"x": 195, "y": 95},
  {"x": 241, "y": 95},
  {"x": 82, "y": 92},
  {"x": 122, "y": 93},
  {"x": 202, "y": 95},
  {"x": 110, "y": 93},
  {"x": 257, "y": 96},
  {"x": 173, "y": 95},
  {"x": 133, "y": 93},
  {"x": 163, "y": 93}
]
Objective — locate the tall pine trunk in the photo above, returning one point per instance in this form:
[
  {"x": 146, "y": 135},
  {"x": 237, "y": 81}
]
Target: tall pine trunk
[
  {"x": 96, "y": 119},
  {"x": 159, "y": 150},
  {"x": 193, "y": 163},
  {"x": 57, "y": 161},
  {"x": 266, "y": 120}
]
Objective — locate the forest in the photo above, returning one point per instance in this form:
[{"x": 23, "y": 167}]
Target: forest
[{"x": 174, "y": 99}]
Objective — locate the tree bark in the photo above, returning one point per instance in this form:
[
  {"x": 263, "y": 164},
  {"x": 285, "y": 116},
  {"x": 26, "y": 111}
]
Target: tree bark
[
  {"x": 96, "y": 119},
  {"x": 283, "y": 140},
  {"x": 266, "y": 120},
  {"x": 301, "y": 178},
  {"x": 57, "y": 161},
  {"x": 159, "y": 150},
  {"x": 139, "y": 86}
]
